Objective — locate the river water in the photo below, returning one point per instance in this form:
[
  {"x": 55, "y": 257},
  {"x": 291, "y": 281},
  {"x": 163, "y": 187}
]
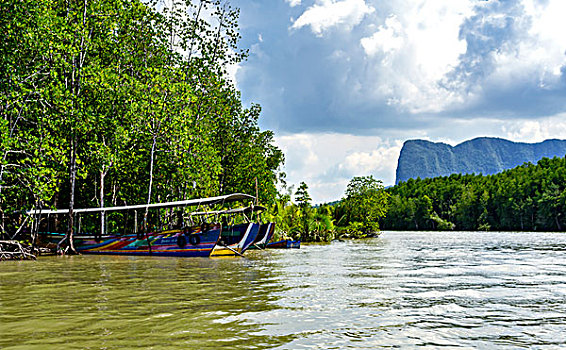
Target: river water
[{"x": 403, "y": 289}]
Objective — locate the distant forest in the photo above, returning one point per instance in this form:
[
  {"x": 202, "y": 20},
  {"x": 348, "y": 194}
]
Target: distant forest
[{"x": 527, "y": 198}]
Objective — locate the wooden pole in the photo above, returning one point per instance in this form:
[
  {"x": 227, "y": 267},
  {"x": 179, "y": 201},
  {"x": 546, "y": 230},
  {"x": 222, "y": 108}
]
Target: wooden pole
[{"x": 135, "y": 221}]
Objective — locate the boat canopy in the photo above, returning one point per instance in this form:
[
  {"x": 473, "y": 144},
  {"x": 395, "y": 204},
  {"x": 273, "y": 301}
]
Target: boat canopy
[
  {"x": 186, "y": 203},
  {"x": 245, "y": 210}
]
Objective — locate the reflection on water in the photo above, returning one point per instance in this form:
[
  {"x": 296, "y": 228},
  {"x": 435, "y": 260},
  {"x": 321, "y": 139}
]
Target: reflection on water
[{"x": 471, "y": 290}]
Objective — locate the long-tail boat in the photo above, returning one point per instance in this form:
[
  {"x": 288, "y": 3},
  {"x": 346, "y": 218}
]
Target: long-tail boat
[
  {"x": 192, "y": 241},
  {"x": 235, "y": 240},
  {"x": 188, "y": 242}
]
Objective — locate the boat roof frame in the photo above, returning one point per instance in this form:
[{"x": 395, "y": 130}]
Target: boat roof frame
[
  {"x": 249, "y": 209},
  {"x": 185, "y": 203}
]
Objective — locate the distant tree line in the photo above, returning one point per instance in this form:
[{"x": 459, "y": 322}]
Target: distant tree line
[
  {"x": 530, "y": 197},
  {"x": 118, "y": 102},
  {"x": 527, "y": 198}
]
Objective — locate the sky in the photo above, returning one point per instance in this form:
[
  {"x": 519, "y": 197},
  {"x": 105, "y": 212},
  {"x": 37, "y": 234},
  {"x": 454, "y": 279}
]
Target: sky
[{"x": 343, "y": 83}]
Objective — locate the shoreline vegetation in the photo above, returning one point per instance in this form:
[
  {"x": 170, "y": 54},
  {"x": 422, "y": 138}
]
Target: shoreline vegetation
[
  {"x": 530, "y": 197},
  {"x": 357, "y": 215}
]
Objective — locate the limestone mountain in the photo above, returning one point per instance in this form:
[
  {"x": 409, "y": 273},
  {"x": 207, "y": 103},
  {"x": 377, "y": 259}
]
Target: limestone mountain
[{"x": 485, "y": 155}]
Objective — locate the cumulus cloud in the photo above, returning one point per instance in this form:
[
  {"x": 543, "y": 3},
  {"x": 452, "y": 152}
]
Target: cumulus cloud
[
  {"x": 331, "y": 13},
  {"x": 383, "y": 158},
  {"x": 536, "y": 130},
  {"x": 388, "y": 39},
  {"x": 327, "y": 162},
  {"x": 449, "y": 56},
  {"x": 460, "y": 56},
  {"x": 537, "y": 52},
  {"x": 414, "y": 50},
  {"x": 401, "y": 61}
]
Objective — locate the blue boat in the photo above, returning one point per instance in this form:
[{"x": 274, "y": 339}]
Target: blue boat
[{"x": 284, "y": 244}]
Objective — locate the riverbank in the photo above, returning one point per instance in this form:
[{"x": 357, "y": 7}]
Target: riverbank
[{"x": 14, "y": 250}]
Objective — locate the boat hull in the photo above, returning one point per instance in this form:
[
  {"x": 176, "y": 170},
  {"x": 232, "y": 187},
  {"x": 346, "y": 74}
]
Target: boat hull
[
  {"x": 264, "y": 236},
  {"x": 235, "y": 240},
  {"x": 284, "y": 244},
  {"x": 190, "y": 242}
]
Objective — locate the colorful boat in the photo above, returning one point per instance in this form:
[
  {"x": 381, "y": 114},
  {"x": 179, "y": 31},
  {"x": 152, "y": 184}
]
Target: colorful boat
[
  {"x": 190, "y": 242},
  {"x": 193, "y": 241},
  {"x": 284, "y": 244}
]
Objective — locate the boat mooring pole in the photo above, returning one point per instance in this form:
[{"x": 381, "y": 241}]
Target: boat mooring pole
[
  {"x": 146, "y": 230},
  {"x": 135, "y": 221}
]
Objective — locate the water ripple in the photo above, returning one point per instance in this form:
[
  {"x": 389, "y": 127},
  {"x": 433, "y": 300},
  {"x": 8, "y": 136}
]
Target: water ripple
[{"x": 401, "y": 290}]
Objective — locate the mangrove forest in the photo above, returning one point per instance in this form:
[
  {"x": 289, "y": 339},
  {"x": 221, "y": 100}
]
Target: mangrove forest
[{"x": 120, "y": 102}]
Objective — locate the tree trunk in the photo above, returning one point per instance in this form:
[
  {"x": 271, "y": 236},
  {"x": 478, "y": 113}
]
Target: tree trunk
[
  {"x": 152, "y": 157},
  {"x": 73, "y": 173},
  {"x": 102, "y": 213}
]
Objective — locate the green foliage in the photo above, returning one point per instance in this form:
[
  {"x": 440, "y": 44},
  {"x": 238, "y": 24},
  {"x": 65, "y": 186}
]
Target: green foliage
[
  {"x": 441, "y": 224},
  {"x": 302, "y": 196},
  {"x": 306, "y": 213},
  {"x": 526, "y": 198},
  {"x": 122, "y": 102},
  {"x": 364, "y": 205},
  {"x": 355, "y": 216}
]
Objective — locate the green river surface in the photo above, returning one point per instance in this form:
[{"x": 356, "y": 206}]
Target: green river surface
[{"x": 403, "y": 290}]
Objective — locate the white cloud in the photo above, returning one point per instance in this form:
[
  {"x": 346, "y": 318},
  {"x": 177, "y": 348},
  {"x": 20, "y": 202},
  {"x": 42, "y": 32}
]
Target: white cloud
[
  {"x": 232, "y": 71},
  {"x": 388, "y": 39},
  {"x": 540, "y": 54},
  {"x": 381, "y": 160},
  {"x": 454, "y": 131},
  {"x": 536, "y": 130},
  {"x": 331, "y": 13},
  {"x": 404, "y": 60},
  {"x": 293, "y": 3},
  {"x": 327, "y": 162},
  {"x": 415, "y": 49},
  {"x": 416, "y": 52}
]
